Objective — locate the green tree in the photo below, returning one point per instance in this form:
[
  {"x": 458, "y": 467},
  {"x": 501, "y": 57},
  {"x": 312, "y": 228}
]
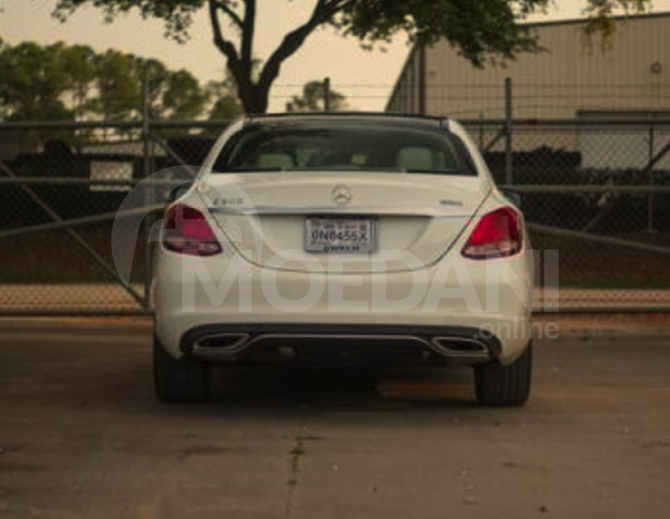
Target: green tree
[
  {"x": 79, "y": 63},
  {"x": 479, "y": 28},
  {"x": 3, "y": 85},
  {"x": 119, "y": 92},
  {"x": 172, "y": 95},
  {"x": 227, "y": 105},
  {"x": 183, "y": 97},
  {"x": 312, "y": 99},
  {"x": 33, "y": 81},
  {"x": 60, "y": 82}
]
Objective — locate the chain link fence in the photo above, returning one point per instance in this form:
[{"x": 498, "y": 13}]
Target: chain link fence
[
  {"x": 595, "y": 196},
  {"x": 597, "y": 192},
  {"x": 64, "y": 186}
]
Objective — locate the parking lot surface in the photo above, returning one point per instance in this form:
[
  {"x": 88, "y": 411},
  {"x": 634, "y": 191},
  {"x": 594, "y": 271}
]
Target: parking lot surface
[{"x": 82, "y": 436}]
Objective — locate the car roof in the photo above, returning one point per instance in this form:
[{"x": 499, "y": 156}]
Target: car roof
[{"x": 408, "y": 120}]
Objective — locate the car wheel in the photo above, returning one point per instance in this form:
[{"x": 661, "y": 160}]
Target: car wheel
[
  {"x": 498, "y": 385},
  {"x": 178, "y": 380}
]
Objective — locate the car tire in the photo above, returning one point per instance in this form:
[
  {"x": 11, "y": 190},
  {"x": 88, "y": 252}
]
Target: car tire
[
  {"x": 498, "y": 385},
  {"x": 183, "y": 380}
]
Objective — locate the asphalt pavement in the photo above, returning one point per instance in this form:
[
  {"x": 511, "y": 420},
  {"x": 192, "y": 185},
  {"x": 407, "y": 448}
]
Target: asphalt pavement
[{"x": 82, "y": 436}]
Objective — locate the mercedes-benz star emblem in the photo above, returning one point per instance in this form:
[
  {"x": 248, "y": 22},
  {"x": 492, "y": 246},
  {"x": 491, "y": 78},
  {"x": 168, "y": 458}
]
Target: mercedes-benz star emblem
[{"x": 342, "y": 194}]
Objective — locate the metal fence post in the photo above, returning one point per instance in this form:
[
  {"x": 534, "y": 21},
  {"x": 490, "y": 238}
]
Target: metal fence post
[
  {"x": 422, "y": 80},
  {"x": 508, "y": 131},
  {"x": 650, "y": 198},
  {"x": 148, "y": 192},
  {"x": 326, "y": 94},
  {"x": 481, "y": 132}
]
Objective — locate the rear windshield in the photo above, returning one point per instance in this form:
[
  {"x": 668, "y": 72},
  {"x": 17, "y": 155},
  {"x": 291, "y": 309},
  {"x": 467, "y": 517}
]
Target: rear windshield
[{"x": 323, "y": 145}]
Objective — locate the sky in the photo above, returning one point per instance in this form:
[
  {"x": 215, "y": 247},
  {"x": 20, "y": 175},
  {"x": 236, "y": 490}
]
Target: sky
[{"x": 365, "y": 77}]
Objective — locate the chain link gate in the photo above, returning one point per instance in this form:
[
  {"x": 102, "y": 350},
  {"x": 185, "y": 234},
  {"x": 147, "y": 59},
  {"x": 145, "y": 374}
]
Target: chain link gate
[
  {"x": 61, "y": 188},
  {"x": 595, "y": 197}
]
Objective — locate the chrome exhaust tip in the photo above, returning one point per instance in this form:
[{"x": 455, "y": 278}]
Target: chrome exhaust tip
[
  {"x": 223, "y": 342},
  {"x": 460, "y": 347}
]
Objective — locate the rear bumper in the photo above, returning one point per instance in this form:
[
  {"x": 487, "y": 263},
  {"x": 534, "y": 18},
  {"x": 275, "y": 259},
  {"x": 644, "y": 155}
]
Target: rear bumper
[
  {"x": 344, "y": 313},
  {"x": 338, "y": 344}
]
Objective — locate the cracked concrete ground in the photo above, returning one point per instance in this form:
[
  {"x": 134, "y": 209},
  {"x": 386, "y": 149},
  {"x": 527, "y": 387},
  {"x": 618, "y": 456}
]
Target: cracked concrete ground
[{"x": 81, "y": 436}]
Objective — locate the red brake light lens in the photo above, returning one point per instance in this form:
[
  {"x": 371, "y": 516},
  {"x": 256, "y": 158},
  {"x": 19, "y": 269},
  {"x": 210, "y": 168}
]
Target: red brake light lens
[
  {"x": 498, "y": 234},
  {"x": 187, "y": 231}
]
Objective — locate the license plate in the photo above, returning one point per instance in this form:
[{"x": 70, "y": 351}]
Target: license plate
[{"x": 326, "y": 234}]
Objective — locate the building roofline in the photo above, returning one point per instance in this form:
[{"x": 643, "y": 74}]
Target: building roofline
[
  {"x": 532, "y": 25},
  {"x": 579, "y": 21},
  {"x": 406, "y": 64}
]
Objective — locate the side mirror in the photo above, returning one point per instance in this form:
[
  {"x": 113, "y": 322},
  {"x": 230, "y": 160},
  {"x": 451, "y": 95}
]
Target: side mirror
[{"x": 513, "y": 197}]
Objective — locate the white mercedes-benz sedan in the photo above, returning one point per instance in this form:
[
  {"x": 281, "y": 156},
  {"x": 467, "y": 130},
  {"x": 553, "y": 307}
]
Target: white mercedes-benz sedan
[{"x": 353, "y": 239}]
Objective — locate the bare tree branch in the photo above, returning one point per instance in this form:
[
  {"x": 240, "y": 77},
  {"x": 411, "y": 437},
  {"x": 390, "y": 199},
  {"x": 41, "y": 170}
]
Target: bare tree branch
[
  {"x": 319, "y": 5},
  {"x": 240, "y": 62},
  {"x": 225, "y": 46},
  {"x": 223, "y": 5},
  {"x": 323, "y": 11},
  {"x": 248, "y": 30}
]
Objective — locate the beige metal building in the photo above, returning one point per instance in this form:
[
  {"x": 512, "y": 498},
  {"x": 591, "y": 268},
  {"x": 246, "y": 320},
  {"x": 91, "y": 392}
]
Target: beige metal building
[
  {"x": 568, "y": 80},
  {"x": 629, "y": 80}
]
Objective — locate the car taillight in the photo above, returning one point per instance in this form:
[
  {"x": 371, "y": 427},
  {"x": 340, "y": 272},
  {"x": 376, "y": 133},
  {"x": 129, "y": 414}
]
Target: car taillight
[
  {"x": 187, "y": 231},
  {"x": 497, "y": 234}
]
